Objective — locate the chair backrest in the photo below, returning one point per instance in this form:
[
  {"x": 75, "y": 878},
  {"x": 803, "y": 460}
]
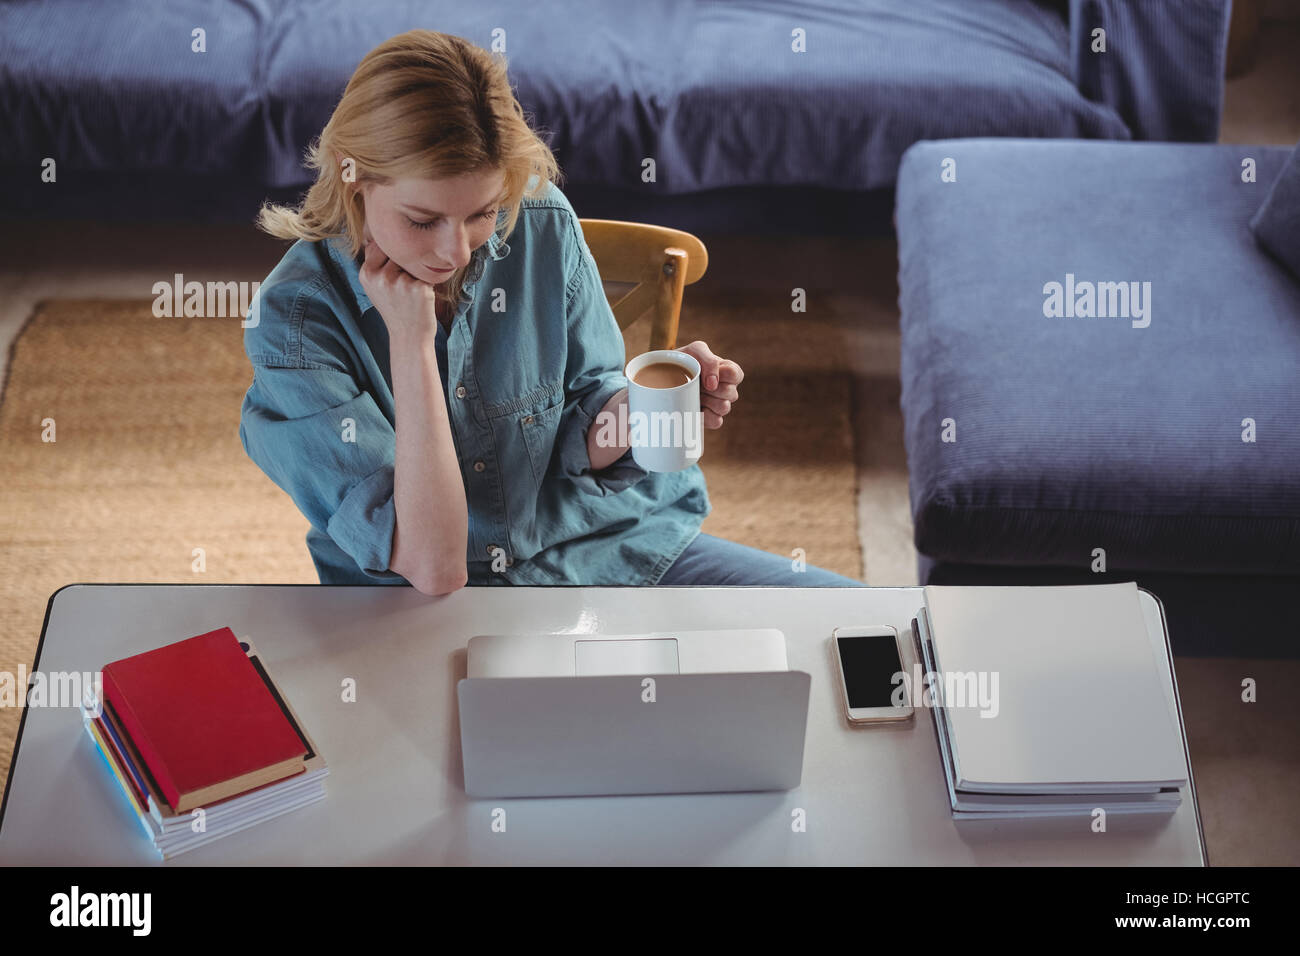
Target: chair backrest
[{"x": 660, "y": 261}]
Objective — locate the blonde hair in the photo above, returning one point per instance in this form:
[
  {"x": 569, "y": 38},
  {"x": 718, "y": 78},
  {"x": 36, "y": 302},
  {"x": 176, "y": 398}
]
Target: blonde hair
[{"x": 422, "y": 105}]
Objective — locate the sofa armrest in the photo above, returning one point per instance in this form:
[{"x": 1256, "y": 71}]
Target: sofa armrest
[{"x": 1163, "y": 65}]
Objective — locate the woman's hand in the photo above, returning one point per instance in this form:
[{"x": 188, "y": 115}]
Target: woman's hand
[
  {"x": 405, "y": 303},
  {"x": 719, "y": 379}
]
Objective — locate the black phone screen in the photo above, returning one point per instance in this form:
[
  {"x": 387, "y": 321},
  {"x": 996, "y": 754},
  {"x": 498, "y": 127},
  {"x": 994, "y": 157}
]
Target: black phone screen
[{"x": 870, "y": 666}]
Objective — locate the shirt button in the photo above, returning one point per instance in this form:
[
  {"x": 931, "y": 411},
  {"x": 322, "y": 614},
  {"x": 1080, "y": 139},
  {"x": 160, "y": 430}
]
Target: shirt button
[
  {"x": 460, "y": 391},
  {"x": 492, "y": 550},
  {"x": 479, "y": 466}
]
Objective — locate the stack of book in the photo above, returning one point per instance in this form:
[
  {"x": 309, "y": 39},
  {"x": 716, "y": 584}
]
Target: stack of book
[
  {"x": 201, "y": 741},
  {"x": 1049, "y": 701}
]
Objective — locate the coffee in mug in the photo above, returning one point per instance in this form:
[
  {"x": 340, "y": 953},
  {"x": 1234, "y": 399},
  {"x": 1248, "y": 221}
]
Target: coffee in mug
[
  {"x": 662, "y": 375},
  {"x": 664, "y": 424}
]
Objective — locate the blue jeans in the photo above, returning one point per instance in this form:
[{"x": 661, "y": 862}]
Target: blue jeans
[
  {"x": 716, "y": 561},
  {"x": 711, "y": 561}
]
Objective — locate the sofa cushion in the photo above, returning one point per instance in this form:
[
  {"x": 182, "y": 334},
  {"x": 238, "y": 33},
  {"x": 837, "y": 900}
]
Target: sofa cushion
[
  {"x": 1162, "y": 66},
  {"x": 714, "y": 92},
  {"x": 1277, "y": 223},
  {"x": 1075, "y": 432}
]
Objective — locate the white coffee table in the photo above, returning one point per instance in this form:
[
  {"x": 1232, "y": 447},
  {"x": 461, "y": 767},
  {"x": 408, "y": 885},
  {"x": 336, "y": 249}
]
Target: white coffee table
[{"x": 395, "y": 787}]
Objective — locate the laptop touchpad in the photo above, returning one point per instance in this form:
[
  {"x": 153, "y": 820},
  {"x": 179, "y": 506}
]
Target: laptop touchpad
[{"x": 605, "y": 658}]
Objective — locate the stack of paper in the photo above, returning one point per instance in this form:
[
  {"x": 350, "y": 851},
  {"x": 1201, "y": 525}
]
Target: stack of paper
[{"x": 1048, "y": 701}]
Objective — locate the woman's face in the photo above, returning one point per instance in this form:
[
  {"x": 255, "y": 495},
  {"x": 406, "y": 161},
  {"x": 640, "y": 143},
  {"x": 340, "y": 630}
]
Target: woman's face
[{"x": 430, "y": 227}]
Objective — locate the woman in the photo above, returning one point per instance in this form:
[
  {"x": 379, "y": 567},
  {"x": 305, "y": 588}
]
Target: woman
[{"x": 425, "y": 391}]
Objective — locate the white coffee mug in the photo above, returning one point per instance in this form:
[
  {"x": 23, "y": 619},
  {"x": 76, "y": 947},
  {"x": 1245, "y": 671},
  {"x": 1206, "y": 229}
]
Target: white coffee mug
[{"x": 665, "y": 428}]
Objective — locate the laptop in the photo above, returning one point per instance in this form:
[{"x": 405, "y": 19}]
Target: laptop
[
  {"x": 656, "y": 652},
  {"x": 659, "y": 712}
]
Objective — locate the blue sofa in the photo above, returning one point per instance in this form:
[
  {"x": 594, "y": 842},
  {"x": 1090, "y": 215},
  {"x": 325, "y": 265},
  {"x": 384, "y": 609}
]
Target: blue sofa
[
  {"x": 747, "y": 133},
  {"x": 1124, "y": 431}
]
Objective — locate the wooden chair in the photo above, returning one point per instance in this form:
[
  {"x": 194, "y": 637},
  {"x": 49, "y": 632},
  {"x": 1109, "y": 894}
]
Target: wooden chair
[{"x": 661, "y": 261}]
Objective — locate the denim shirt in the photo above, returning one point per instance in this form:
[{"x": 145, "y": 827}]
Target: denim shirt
[{"x": 534, "y": 353}]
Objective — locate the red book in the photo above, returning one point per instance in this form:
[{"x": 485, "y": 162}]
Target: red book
[{"x": 203, "y": 720}]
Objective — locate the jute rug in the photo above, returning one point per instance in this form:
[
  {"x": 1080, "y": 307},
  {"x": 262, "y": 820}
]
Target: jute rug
[{"x": 147, "y": 466}]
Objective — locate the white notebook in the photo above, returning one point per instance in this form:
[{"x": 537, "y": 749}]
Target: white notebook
[
  {"x": 1080, "y": 702},
  {"x": 1004, "y": 806}
]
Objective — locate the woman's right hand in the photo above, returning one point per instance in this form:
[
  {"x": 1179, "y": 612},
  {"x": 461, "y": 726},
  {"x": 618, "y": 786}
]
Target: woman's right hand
[{"x": 405, "y": 303}]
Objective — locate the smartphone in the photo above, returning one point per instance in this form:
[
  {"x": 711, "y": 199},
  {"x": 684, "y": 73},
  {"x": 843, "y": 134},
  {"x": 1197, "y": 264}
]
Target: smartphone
[{"x": 869, "y": 661}]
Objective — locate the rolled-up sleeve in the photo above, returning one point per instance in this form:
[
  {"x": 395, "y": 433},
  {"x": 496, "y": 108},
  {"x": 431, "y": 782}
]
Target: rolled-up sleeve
[
  {"x": 325, "y": 442},
  {"x": 593, "y": 375}
]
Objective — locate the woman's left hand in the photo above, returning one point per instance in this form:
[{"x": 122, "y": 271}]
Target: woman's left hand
[{"x": 719, "y": 379}]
